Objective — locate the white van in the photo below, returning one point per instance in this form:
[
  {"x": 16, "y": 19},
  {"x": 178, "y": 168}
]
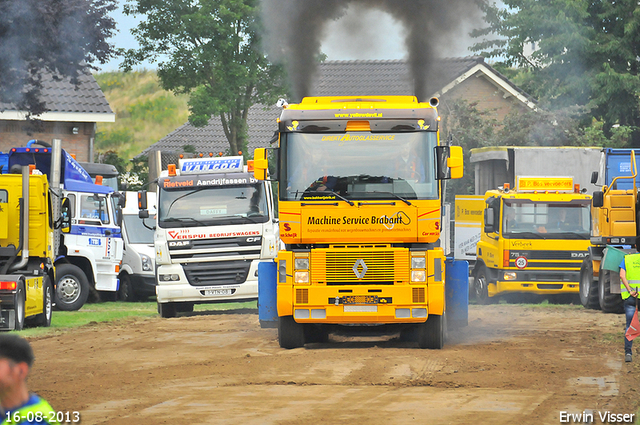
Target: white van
[{"x": 138, "y": 271}]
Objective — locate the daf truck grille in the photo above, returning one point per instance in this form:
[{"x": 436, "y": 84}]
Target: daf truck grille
[
  {"x": 217, "y": 272},
  {"x": 384, "y": 267},
  {"x": 222, "y": 247}
]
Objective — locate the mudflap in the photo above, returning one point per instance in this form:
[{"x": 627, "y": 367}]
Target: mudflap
[
  {"x": 267, "y": 294},
  {"x": 7, "y": 319},
  {"x": 457, "y": 292}
]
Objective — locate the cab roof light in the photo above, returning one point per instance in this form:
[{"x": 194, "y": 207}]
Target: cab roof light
[
  {"x": 576, "y": 188},
  {"x": 171, "y": 168},
  {"x": 31, "y": 168},
  {"x": 181, "y": 156},
  {"x": 220, "y": 153},
  {"x": 99, "y": 180},
  {"x": 210, "y": 154},
  {"x": 250, "y": 165}
]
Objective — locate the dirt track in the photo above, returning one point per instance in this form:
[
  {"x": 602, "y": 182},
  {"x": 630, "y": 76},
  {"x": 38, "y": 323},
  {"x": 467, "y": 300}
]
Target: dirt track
[{"x": 513, "y": 364}]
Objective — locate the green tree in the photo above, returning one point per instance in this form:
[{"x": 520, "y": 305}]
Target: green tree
[
  {"x": 211, "y": 50},
  {"x": 61, "y": 37},
  {"x": 584, "y": 53}
]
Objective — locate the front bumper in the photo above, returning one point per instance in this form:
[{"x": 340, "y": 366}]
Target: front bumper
[
  {"x": 182, "y": 291},
  {"x": 360, "y": 304}
]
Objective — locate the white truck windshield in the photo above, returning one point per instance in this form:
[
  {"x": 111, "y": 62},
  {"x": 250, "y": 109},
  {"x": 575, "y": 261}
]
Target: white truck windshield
[{"x": 212, "y": 206}]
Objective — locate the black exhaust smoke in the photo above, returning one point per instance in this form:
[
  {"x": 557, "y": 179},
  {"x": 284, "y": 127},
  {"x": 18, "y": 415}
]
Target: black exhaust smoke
[{"x": 294, "y": 31}]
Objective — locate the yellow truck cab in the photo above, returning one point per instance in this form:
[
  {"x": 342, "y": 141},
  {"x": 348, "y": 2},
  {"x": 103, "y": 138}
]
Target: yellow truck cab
[
  {"x": 26, "y": 250},
  {"x": 533, "y": 240}
]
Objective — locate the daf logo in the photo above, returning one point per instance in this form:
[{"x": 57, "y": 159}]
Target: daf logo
[
  {"x": 579, "y": 254},
  {"x": 178, "y": 243},
  {"x": 359, "y": 272},
  {"x": 249, "y": 240}
]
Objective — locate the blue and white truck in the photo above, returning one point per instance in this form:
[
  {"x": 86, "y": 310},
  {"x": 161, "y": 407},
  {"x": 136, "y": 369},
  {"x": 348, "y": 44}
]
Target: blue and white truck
[{"x": 90, "y": 255}]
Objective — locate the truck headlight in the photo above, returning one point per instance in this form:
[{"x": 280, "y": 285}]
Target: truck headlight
[
  {"x": 418, "y": 276},
  {"x": 301, "y": 277},
  {"x": 147, "y": 265},
  {"x": 509, "y": 276},
  {"x": 418, "y": 262},
  {"x": 301, "y": 264},
  {"x": 168, "y": 277}
]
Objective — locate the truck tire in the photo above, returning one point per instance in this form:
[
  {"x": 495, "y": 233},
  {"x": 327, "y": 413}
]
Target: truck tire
[
  {"x": 432, "y": 333},
  {"x": 167, "y": 310},
  {"x": 588, "y": 286},
  {"x": 609, "y": 303},
  {"x": 125, "y": 292},
  {"x": 72, "y": 288},
  {"x": 44, "y": 319},
  {"x": 481, "y": 285},
  {"x": 19, "y": 299},
  {"x": 290, "y": 333}
]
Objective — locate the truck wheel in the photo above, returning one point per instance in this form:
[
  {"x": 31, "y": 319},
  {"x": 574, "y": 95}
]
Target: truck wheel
[
  {"x": 432, "y": 333},
  {"x": 167, "y": 310},
  {"x": 290, "y": 333},
  {"x": 481, "y": 285},
  {"x": 44, "y": 319},
  {"x": 609, "y": 303},
  {"x": 18, "y": 307},
  {"x": 72, "y": 288},
  {"x": 125, "y": 292},
  {"x": 588, "y": 286}
]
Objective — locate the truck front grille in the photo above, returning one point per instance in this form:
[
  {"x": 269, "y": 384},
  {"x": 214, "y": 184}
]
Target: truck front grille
[
  {"x": 217, "y": 272},
  {"x": 365, "y": 267}
]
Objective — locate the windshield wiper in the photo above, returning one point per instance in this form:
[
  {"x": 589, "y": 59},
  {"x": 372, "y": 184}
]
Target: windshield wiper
[
  {"x": 333, "y": 193},
  {"x": 182, "y": 220},
  {"x": 395, "y": 196},
  {"x": 526, "y": 235}
]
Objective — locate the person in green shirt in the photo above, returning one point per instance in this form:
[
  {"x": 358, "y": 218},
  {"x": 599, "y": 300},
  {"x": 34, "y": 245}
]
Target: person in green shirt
[
  {"x": 17, "y": 404},
  {"x": 630, "y": 284}
]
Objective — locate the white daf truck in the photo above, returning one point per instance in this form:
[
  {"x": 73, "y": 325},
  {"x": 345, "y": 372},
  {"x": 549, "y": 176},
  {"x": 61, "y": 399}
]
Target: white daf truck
[{"x": 215, "y": 224}]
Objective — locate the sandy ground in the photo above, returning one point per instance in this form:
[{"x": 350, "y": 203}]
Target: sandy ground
[{"x": 511, "y": 365}]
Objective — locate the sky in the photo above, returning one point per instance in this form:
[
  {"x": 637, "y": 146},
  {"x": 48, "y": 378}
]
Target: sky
[{"x": 382, "y": 45}]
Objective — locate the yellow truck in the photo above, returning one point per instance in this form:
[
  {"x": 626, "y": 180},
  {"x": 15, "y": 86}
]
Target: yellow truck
[
  {"x": 360, "y": 216},
  {"x": 26, "y": 249},
  {"x": 533, "y": 240}
]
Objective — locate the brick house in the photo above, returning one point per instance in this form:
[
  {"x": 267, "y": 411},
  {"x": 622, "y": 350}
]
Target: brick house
[
  {"x": 469, "y": 78},
  {"x": 72, "y": 116}
]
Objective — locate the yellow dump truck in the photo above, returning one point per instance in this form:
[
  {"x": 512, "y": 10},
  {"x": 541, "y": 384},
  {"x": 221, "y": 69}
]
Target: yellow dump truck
[
  {"x": 360, "y": 216},
  {"x": 26, "y": 249},
  {"x": 534, "y": 239}
]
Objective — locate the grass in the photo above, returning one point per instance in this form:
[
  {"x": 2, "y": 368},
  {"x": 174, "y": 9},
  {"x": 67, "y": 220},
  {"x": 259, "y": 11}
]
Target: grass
[
  {"x": 145, "y": 112},
  {"x": 114, "y": 311}
]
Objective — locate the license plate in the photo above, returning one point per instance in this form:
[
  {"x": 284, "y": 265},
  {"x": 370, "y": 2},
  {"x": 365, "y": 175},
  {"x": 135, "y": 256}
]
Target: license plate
[
  {"x": 210, "y": 292},
  {"x": 360, "y": 308}
]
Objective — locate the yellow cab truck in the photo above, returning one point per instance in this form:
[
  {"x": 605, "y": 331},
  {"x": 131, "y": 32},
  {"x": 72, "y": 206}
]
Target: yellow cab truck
[
  {"x": 614, "y": 215},
  {"x": 26, "y": 249},
  {"x": 360, "y": 217},
  {"x": 533, "y": 240}
]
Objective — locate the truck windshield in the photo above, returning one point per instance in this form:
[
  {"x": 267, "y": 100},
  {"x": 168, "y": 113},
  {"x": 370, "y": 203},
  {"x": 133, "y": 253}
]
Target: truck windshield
[
  {"x": 358, "y": 165},
  {"x": 212, "y": 206},
  {"x": 137, "y": 233},
  {"x": 524, "y": 219}
]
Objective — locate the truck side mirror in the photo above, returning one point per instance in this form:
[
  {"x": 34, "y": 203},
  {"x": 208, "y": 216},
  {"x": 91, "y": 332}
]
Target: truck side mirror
[
  {"x": 449, "y": 163},
  {"x": 489, "y": 220},
  {"x": 142, "y": 199},
  {"x": 598, "y": 199},
  {"x": 594, "y": 177},
  {"x": 260, "y": 163},
  {"x": 65, "y": 215}
]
